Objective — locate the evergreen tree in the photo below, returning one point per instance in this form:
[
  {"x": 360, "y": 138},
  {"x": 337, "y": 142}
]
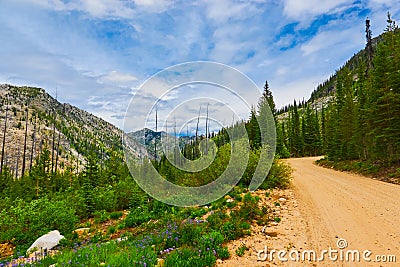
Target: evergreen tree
[
  {"x": 295, "y": 133},
  {"x": 253, "y": 131}
]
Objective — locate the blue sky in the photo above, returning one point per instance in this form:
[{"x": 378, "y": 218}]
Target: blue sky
[{"x": 98, "y": 52}]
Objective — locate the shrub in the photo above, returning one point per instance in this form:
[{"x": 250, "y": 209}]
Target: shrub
[
  {"x": 217, "y": 219},
  {"x": 278, "y": 176},
  {"x": 241, "y": 250},
  {"x": 211, "y": 241},
  {"x": 104, "y": 198},
  {"x": 101, "y": 216},
  {"x": 111, "y": 230},
  {"x": 223, "y": 253},
  {"x": 230, "y": 231},
  {"x": 137, "y": 216},
  {"x": 24, "y": 222},
  {"x": 190, "y": 233},
  {"x": 116, "y": 215}
]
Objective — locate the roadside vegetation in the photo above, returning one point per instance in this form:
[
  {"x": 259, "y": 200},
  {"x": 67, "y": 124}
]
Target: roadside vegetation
[{"x": 122, "y": 225}]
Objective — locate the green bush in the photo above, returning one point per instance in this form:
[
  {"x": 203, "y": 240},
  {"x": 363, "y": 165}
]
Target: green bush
[
  {"x": 211, "y": 241},
  {"x": 279, "y": 175},
  {"x": 104, "y": 198},
  {"x": 101, "y": 216},
  {"x": 223, "y": 253},
  {"x": 241, "y": 250},
  {"x": 230, "y": 231},
  {"x": 217, "y": 219},
  {"x": 190, "y": 233},
  {"x": 116, "y": 215},
  {"x": 137, "y": 216},
  {"x": 24, "y": 222}
]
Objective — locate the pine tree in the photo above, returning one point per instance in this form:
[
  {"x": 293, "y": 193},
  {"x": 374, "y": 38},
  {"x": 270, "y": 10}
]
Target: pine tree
[
  {"x": 296, "y": 132},
  {"x": 384, "y": 97},
  {"x": 266, "y": 115},
  {"x": 253, "y": 130}
]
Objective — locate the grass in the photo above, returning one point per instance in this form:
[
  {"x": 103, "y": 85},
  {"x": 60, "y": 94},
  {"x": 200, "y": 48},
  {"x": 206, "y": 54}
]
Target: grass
[{"x": 376, "y": 169}]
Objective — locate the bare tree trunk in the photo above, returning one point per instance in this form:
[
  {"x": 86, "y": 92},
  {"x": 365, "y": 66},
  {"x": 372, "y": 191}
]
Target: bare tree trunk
[
  {"x": 167, "y": 148},
  {"x": 17, "y": 165},
  {"x": 207, "y": 131},
  {"x": 53, "y": 144},
  {"x": 155, "y": 139},
  {"x": 33, "y": 146},
  {"x": 26, "y": 137},
  {"x": 175, "y": 148},
  {"x": 197, "y": 131},
  {"x": 58, "y": 151},
  {"x": 4, "y": 140}
]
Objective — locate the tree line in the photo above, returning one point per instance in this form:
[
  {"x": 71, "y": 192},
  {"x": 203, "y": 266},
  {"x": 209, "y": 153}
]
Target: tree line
[{"x": 355, "y": 115}]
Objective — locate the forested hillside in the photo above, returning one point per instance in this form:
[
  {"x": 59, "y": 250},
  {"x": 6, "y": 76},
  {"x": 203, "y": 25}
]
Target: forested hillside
[
  {"x": 355, "y": 114},
  {"x": 32, "y": 121}
]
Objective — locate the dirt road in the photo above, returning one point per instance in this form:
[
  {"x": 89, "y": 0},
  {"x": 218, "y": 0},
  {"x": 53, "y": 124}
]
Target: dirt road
[{"x": 337, "y": 205}]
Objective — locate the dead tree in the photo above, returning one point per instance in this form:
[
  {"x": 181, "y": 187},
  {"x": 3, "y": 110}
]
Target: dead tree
[
  {"x": 33, "y": 146},
  {"x": 58, "y": 151},
  {"x": 26, "y": 137},
  {"x": 17, "y": 165},
  {"x": 197, "y": 133},
  {"x": 207, "y": 126},
  {"x": 4, "y": 140},
  {"x": 155, "y": 138}
]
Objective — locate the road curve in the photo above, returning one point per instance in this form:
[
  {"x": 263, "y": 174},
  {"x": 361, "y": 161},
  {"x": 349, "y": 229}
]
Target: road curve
[{"x": 337, "y": 205}]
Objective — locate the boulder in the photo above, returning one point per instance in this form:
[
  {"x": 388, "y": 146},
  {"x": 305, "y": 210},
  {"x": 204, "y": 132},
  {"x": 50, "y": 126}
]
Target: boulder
[{"x": 46, "y": 242}]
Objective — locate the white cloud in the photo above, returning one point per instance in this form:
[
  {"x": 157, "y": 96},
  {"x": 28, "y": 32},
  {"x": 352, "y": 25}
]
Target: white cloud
[
  {"x": 95, "y": 8},
  {"x": 117, "y": 78},
  {"x": 306, "y": 11},
  {"x": 154, "y": 5},
  {"x": 222, "y": 10}
]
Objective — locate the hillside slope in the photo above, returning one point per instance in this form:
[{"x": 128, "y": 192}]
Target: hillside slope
[{"x": 67, "y": 130}]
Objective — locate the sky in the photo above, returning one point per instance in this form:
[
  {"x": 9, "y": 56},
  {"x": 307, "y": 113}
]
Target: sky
[{"x": 96, "y": 54}]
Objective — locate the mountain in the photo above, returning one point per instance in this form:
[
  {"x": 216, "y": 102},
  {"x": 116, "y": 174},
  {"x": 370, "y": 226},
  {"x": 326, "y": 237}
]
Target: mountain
[
  {"x": 150, "y": 140},
  {"x": 65, "y": 130},
  {"x": 328, "y": 87}
]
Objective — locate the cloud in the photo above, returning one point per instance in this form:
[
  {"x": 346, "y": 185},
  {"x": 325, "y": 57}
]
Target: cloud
[
  {"x": 117, "y": 78},
  {"x": 96, "y": 51},
  {"x": 306, "y": 10},
  {"x": 157, "y": 6},
  {"x": 94, "y": 8}
]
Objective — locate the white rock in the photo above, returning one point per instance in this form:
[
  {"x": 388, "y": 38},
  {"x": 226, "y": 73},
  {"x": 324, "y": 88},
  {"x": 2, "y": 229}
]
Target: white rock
[
  {"x": 47, "y": 241},
  {"x": 230, "y": 200},
  {"x": 282, "y": 199}
]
